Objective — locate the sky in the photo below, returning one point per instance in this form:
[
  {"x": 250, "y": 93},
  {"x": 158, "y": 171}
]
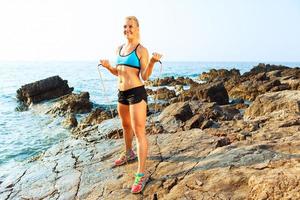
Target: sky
[{"x": 181, "y": 30}]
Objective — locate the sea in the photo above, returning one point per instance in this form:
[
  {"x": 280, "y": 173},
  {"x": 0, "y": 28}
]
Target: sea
[{"x": 25, "y": 134}]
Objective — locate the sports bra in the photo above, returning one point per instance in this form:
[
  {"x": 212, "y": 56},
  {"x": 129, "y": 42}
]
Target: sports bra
[{"x": 130, "y": 60}]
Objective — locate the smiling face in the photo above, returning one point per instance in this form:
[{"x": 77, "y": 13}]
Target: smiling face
[{"x": 131, "y": 29}]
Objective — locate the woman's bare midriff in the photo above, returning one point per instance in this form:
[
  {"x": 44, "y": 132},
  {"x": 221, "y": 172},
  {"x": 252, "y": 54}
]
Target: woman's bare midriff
[{"x": 128, "y": 77}]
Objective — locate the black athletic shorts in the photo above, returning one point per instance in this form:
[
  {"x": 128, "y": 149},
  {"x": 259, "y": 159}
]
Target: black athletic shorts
[{"x": 133, "y": 95}]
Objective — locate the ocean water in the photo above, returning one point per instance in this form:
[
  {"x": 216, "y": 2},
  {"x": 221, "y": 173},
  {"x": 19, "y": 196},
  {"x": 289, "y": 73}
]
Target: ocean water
[{"x": 25, "y": 134}]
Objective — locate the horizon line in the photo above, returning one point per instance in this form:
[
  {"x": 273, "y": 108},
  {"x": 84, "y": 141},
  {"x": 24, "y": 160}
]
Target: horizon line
[{"x": 248, "y": 61}]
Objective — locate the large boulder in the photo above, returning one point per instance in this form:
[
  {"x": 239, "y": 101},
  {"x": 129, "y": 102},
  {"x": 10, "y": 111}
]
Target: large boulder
[
  {"x": 211, "y": 92},
  {"x": 173, "y": 116},
  {"x": 45, "y": 89},
  {"x": 287, "y": 101}
]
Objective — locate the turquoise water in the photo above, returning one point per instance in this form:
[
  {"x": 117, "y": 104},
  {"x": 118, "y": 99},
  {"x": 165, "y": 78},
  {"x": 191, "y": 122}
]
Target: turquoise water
[{"x": 25, "y": 134}]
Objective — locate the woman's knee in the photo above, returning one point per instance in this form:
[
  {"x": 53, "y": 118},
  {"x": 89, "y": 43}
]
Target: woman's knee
[
  {"x": 127, "y": 127},
  {"x": 141, "y": 139},
  {"x": 139, "y": 130}
]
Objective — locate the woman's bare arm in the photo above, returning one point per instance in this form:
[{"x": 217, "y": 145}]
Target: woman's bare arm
[
  {"x": 146, "y": 65},
  {"x": 107, "y": 65}
]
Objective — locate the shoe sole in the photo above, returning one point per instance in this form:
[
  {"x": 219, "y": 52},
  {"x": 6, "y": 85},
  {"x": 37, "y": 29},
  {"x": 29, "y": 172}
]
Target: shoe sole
[{"x": 141, "y": 188}]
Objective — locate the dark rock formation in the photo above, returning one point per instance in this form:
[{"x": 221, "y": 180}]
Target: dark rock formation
[
  {"x": 261, "y": 67},
  {"x": 162, "y": 93},
  {"x": 45, "y": 89},
  {"x": 221, "y": 74},
  {"x": 212, "y": 92}
]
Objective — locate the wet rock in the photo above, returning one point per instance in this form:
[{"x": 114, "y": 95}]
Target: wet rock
[{"x": 45, "y": 89}]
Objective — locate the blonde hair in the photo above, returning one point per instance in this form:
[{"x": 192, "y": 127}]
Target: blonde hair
[
  {"x": 137, "y": 24},
  {"x": 134, "y": 19}
]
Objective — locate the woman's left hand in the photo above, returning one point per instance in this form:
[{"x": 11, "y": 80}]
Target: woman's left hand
[{"x": 155, "y": 57}]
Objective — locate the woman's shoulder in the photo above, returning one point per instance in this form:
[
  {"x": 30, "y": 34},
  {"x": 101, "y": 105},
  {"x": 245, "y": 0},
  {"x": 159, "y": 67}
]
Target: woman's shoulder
[{"x": 141, "y": 49}]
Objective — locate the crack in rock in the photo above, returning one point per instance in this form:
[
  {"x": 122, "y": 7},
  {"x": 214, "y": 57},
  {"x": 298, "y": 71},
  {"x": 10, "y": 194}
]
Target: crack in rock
[
  {"x": 12, "y": 185},
  {"x": 55, "y": 180},
  {"x": 160, "y": 156},
  {"x": 75, "y": 167}
]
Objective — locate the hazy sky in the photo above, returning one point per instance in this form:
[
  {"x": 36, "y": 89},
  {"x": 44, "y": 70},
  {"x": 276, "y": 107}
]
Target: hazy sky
[{"x": 182, "y": 30}]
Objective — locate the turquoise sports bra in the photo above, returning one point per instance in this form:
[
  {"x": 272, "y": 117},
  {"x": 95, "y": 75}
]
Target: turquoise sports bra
[{"x": 130, "y": 60}]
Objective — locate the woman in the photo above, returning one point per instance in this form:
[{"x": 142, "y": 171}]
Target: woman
[{"x": 132, "y": 63}]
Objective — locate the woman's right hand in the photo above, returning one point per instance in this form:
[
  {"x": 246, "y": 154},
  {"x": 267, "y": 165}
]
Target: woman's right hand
[{"x": 105, "y": 63}]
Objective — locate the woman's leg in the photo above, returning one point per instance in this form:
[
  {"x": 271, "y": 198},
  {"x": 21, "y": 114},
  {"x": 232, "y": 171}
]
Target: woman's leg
[
  {"x": 138, "y": 113},
  {"x": 124, "y": 114}
]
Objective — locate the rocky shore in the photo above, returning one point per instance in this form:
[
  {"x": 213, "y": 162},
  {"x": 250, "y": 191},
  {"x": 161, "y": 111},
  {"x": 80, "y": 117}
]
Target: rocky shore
[{"x": 228, "y": 136}]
